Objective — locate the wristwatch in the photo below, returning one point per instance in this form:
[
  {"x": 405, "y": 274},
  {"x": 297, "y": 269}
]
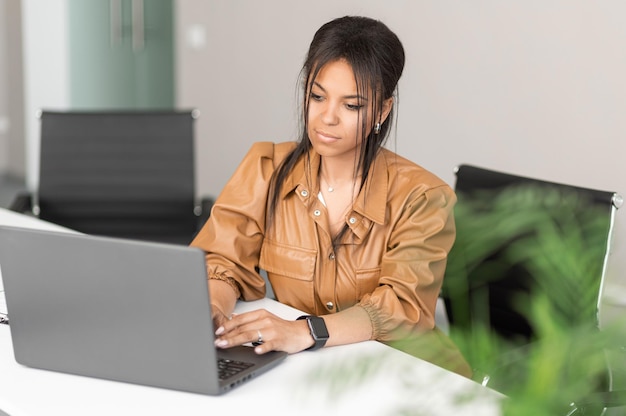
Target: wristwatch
[{"x": 318, "y": 329}]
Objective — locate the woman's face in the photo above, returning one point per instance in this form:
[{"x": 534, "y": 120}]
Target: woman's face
[{"x": 336, "y": 112}]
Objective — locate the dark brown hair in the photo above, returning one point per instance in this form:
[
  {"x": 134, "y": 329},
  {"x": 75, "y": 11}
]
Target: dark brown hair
[{"x": 377, "y": 58}]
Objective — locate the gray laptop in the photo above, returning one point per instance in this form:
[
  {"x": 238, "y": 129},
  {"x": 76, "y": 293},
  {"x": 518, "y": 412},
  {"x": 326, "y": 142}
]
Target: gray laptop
[{"x": 116, "y": 309}]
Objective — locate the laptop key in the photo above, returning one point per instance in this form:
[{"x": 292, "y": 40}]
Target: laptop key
[{"x": 228, "y": 368}]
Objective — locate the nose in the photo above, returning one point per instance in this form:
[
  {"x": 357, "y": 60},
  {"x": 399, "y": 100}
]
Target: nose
[{"x": 330, "y": 114}]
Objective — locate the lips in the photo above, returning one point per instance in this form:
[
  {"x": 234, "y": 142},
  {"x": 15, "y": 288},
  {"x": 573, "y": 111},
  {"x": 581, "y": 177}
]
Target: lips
[{"x": 324, "y": 136}]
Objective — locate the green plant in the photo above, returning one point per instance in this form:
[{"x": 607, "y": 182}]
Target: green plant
[{"x": 553, "y": 241}]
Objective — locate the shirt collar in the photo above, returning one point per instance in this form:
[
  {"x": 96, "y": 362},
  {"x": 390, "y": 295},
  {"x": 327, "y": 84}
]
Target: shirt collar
[
  {"x": 299, "y": 176},
  {"x": 371, "y": 201}
]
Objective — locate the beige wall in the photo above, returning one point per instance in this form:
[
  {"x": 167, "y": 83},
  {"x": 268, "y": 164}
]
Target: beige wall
[
  {"x": 4, "y": 119},
  {"x": 12, "y": 154},
  {"x": 535, "y": 87},
  {"x": 15, "y": 83}
]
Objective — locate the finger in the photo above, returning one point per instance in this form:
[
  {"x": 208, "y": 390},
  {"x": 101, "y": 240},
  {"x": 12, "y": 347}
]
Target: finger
[
  {"x": 241, "y": 320},
  {"x": 270, "y": 346},
  {"x": 240, "y": 337},
  {"x": 260, "y": 349},
  {"x": 218, "y": 320},
  {"x": 218, "y": 315}
]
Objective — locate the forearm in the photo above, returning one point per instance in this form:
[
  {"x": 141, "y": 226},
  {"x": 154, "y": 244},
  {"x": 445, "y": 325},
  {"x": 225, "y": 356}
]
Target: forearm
[
  {"x": 223, "y": 297},
  {"x": 348, "y": 326}
]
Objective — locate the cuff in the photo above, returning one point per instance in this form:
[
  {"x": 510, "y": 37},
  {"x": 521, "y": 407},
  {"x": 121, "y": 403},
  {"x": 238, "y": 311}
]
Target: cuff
[{"x": 232, "y": 282}]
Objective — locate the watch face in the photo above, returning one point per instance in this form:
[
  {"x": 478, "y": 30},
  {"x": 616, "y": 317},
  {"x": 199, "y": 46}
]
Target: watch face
[{"x": 319, "y": 327}]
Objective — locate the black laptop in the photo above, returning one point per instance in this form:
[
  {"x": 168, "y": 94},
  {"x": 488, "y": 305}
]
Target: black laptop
[{"x": 116, "y": 309}]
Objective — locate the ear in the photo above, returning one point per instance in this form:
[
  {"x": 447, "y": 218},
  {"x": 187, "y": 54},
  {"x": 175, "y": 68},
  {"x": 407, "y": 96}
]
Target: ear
[{"x": 386, "y": 109}]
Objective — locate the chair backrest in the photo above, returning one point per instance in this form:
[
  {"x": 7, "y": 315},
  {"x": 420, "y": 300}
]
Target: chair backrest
[
  {"x": 126, "y": 174},
  {"x": 517, "y": 236}
]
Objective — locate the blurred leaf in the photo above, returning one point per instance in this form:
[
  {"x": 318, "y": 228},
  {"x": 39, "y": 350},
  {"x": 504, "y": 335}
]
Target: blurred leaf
[{"x": 559, "y": 243}]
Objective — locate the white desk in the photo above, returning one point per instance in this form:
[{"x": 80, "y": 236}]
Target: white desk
[
  {"x": 16, "y": 219},
  {"x": 367, "y": 378}
]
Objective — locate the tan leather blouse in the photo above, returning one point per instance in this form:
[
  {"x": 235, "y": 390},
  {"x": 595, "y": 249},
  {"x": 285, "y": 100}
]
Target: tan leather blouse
[{"x": 391, "y": 261}]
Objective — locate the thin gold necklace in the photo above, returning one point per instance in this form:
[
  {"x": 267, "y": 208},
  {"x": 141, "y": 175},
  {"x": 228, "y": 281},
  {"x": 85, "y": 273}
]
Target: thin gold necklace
[{"x": 330, "y": 188}]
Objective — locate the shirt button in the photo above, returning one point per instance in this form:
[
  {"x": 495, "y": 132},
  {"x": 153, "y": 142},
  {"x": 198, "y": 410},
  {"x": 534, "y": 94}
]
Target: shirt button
[
  {"x": 331, "y": 256},
  {"x": 352, "y": 220},
  {"x": 304, "y": 193},
  {"x": 317, "y": 212},
  {"x": 329, "y": 306}
]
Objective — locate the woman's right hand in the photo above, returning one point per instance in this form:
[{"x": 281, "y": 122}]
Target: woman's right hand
[
  {"x": 223, "y": 299},
  {"x": 219, "y": 317}
]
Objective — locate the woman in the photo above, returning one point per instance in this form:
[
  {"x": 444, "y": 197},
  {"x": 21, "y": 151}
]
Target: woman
[{"x": 349, "y": 232}]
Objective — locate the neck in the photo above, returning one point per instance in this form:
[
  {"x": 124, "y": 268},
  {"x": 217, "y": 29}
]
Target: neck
[
  {"x": 337, "y": 173},
  {"x": 334, "y": 176}
]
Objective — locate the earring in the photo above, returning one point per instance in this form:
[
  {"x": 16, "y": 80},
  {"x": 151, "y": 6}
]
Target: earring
[{"x": 377, "y": 128}]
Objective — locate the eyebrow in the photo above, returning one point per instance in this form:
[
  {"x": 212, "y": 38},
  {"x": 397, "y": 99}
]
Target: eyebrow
[{"x": 360, "y": 97}]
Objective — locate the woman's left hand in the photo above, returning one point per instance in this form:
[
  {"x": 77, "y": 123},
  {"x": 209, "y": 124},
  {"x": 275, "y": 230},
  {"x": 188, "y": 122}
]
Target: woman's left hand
[{"x": 268, "y": 330}]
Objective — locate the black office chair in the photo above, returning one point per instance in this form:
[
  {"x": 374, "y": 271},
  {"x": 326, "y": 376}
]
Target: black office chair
[
  {"x": 529, "y": 263},
  {"x": 127, "y": 174}
]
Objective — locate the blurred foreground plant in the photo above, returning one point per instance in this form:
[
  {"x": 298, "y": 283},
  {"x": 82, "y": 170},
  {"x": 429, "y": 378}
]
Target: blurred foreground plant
[{"x": 550, "y": 246}]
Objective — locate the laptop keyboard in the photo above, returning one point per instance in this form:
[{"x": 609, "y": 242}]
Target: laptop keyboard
[{"x": 228, "y": 368}]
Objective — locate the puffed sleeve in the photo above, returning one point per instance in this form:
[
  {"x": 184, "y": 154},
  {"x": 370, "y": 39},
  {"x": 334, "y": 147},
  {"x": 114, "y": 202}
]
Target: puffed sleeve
[
  {"x": 233, "y": 234},
  {"x": 413, "y": 266}
]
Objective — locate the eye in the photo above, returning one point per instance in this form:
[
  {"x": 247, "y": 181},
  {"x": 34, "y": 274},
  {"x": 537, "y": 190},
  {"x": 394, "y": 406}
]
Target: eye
[
  {"x": 354, "y": 107},
  {"x": 316, "y": 97}
]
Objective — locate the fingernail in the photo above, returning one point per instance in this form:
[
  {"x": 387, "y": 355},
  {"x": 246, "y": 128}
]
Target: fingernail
[
  {"x": 221, "y": 343},
  {"x": 219, "y": 331},
  {"x": 258, "y": 350}
]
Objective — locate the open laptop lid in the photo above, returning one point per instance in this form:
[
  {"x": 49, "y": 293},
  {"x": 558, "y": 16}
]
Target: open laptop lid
[{"x": 117, "y": 309}]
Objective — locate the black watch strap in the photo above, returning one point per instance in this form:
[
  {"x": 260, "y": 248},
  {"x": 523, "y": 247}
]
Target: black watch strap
[{"x": 318, "y": 329}]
